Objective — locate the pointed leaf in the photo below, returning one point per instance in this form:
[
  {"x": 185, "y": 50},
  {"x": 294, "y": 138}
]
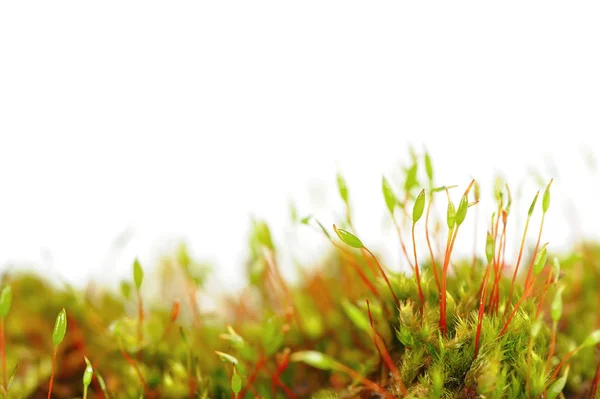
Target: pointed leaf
[
  {"x": 557, "y": 386},
  {"x": 419, "y": 206},
  {"x": 236, "y": 382},
  {"x": 138, "y": 274},
  {"x": 540, "y": 259},
  {"x": 546, "y": 199},
  {"x": 556, "y": 269},
  {"x": 227, "y": 358},
  {"x": 490, "y": 247},
  {"x": 557, "y": 305},
  {"x": 88, "y": 372},
  {"x": 429, "y": 168},
  {"x": 592, "y": 340},
  {"x": 451, "y": 213},
  {"x": 461, "y": 212},
  {"x": 388, "y": 194},
  {"x": 5, "y": 301},
  {"x": 314, "y": 359},
  {"x": 532, "y": 206},
  {"x": 411, "y": 177},
  {"x": 272, "y": 336},
  {"x": 358, "y": 318},
  {"x": 342, "y": 187},
  {"x": 60, "y": 328},
  {"x": 348, "y": 238}
]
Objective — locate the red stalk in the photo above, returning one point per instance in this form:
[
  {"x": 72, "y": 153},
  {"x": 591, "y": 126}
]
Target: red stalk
[
  {"x": 481, "y": 308},
  {"x": 384, "y": 276},
  {"x": 512, "y": 284},
  {"x": 417, "y": 274},
  {"x": 385, "y": 354},
  {"x": 433, "y": 265},
  {"x": 52, "y": 374}
]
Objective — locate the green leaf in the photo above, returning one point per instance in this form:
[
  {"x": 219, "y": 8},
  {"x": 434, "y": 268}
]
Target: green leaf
[
  {"x": 5, "y": 301},
  {"x": 442, "y": 188},
  {"x": 125, "y": 289},
  {"x": 477, "y": 191},
  {"x": 451, "y": 213},
  {"x": 236, "y": 382},
  {"x": 429, "y": 168},
  {"x": 540, "y": 259},
  {"x": 509, "y": 201},
  {"x": 591, "y": 340},
  {"x": 314, "y": 359},
  {"x": 461, "y": 212},
  {"x": 102, "y": 385},
  {"x": 227, "y": 358},
  {"x": 557, "y": 387},
  {"x": 262, "y": 234},
  {"x": 272, "y": 336},
  {"x": 342, "y": 187},
  {"x": 348, "y": 238},
  {"x": 532, "y": 206},
  {"x": 557, "y": 305},
  {"x": 556, "y": 268},
  {"x": 490, "y": 247},
  {"x": 138, "y": 274},
  {"x": 411, "y": 177},
  {"x": 419, "y": 206},
  {"x": 546, "y": 198},
  {"x": 358, "y": 318},
  {"x": 388, "y": 194},
  {"x": 88, "y": 373},
  {"x": 60, "y": 328}
]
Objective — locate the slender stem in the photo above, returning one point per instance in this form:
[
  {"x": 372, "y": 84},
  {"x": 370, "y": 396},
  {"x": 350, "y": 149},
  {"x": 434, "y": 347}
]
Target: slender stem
[
  {"x": 433, "y": 264},
  {"x": 85, "y": 390},
  {"x": 514, "y": 311},
  {"x": 594, "y": 388},
  {"x": 52, "y": 374},
  {"x": 140, "y": 329},
  {"x": 402, "y": 244},
  {"x": 535, "y": 251},
  {"x": 384, "y": 275},
  {"x": 552, "y": 345},
  {"x": 546, "y": 286},
  {"x": 253, "y": 376},
  {"x": 512, "y": 283},
  {"x": 449, "y": 245},
  {"x": 563, "y": 361},
  {"x": 481, "y": 308},
  {"x": 476, "y": 223},
  {"x": 366, "y": 382},
  {"x": 421, "y": 296},
  {"x": 133, "y": 363},
  {"x": 385, "y": 354},
  {"x": 362, "y": 275}
]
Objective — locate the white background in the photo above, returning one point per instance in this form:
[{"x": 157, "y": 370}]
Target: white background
[{"x": 181, "y": 119}]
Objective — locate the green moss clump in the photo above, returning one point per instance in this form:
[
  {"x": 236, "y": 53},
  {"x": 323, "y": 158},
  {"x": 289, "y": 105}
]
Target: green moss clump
[{"x": 350, "y": 328}]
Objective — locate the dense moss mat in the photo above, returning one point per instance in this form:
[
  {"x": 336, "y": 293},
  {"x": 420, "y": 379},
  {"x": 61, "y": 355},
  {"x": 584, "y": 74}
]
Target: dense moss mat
[{"x": 349, "y": 328}]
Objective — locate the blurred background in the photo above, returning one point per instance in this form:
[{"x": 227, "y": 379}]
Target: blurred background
[{"x": 135, "y": 126}]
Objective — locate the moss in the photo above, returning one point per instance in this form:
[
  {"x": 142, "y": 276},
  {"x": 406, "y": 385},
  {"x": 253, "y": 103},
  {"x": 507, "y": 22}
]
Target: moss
[{"x": 318, "y": 337}]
